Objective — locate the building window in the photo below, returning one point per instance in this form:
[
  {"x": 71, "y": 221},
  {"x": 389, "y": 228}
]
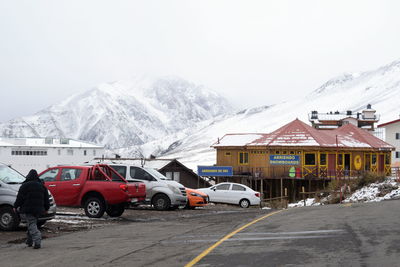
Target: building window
[
  {"x": 94, "y": 152},
  {"x": 309, "y": 159},
  {"x": 64, "y": 141},
  {"x": 70, "y": 152},
  {"x": 322, "y": 159},
  {"x": 340, "y": 159},
  {"x": 84, "y": 152},
  {"x": 387, "y": 158},
  {"x": 227, "y": 153},
  {"x": 177, "y": 176},
  {"x": 243, "y": 158},
  {"x": 291, "y": 152},
  {"x": 59, "y": 152},
  {"x": 277, "y": 152},
  {"x": 373, "y": 159},
  {"x": 29, "y": 152},
  {"x": 397, "y": 154},
  {"x": 397, "y": 136}
]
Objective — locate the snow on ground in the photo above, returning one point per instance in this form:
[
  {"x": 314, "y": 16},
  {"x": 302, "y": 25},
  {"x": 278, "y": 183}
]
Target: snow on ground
[
  {"x": 309, "y": 202},
  {"x": 374, "y": 192},
  {"x": 387, "y": 190}
]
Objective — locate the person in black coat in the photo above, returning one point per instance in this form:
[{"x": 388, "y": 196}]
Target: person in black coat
[{"x": 32, "y": 201}]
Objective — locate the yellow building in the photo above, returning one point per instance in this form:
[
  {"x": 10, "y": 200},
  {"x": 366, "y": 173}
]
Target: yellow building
[{"x": 300, "y": 152}]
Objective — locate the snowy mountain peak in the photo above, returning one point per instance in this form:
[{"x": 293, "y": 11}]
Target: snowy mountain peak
[
  {"x": 335, "y": 82},
  {"x": 124, "y": 113}
]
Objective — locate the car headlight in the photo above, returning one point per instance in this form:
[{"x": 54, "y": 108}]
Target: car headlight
[
  {"x": 195, "y": 194},
  {"x": 174, "y": 189}
]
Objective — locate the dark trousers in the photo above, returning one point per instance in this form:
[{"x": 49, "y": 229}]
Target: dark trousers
[{"x": 33, "y": 234}]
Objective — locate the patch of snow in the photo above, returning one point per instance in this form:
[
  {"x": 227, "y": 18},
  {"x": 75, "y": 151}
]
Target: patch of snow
[
  {"x": 309, "y": 202},
  {"x": 371, "y": 192}
]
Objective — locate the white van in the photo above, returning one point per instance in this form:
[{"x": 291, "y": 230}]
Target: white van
[{"x": 161, "y": 192}]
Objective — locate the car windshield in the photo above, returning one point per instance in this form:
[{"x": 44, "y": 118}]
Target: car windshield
[
  {"x": 156, "y": 174},
  {"x": 10, "y": 176}
]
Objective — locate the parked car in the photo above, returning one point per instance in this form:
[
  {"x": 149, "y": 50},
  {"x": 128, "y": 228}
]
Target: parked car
[
  {"x": 161, "y": 192},
  {"x": 196, "y": 198},
  {"x": 97, "y": 189},
  {"x": 232, "y": 193},
  {"x": 10, "y": 181}
]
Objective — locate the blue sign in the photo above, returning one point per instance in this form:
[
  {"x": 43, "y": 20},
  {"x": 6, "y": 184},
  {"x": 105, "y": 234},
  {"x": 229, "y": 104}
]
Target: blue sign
[
  {"x": 284, "y": 160},
  {"x": 214, "y": 170}
]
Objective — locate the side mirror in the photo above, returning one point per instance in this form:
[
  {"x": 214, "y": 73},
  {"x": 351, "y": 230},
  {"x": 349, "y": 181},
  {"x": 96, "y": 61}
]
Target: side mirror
[{"x": 214, "y": 189}]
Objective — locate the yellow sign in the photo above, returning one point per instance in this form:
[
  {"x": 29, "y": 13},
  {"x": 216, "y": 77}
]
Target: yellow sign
[{"x": 357, "y": 162}]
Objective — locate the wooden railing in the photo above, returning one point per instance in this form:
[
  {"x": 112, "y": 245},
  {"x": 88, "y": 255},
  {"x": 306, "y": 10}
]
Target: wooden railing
[{"x": 307, "y": 172}]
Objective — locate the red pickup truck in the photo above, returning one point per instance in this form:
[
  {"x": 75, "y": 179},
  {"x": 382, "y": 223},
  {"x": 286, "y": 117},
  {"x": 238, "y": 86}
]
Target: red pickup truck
[{"x": 98, "y": 189}]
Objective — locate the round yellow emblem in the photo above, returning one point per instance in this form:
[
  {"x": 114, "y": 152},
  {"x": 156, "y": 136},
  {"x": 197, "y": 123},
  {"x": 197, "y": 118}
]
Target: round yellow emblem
[{"x": 357, "y": 162}]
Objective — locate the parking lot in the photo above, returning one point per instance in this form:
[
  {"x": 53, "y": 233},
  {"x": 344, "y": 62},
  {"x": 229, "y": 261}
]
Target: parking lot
[
  {"x": 70, "y": 220},
  {"x": 221, "y": 235}
]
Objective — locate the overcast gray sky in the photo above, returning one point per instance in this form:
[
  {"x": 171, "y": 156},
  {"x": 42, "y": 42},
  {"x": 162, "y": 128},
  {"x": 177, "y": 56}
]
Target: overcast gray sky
[{"x": 253, "y": 52}]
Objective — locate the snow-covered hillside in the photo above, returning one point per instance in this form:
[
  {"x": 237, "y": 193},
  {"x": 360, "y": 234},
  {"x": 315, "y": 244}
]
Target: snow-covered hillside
[
  {"x": 170, "y": 117},
  {"x": 122, "y": 114},
  {"x": 380, "y": 87}
]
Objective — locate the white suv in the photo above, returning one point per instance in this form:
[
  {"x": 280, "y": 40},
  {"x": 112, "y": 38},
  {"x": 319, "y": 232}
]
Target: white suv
[{"x": 161, "y": 192}]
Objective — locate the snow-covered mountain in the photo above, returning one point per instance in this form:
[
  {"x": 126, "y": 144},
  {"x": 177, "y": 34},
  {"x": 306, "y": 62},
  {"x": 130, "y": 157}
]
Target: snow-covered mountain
[
  {"x": 380, "y": 88},
  {"x": 124, "y": 113}
]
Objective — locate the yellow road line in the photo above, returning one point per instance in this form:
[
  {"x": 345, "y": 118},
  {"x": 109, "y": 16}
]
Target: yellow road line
[
  {"x": 207, "y": 251},
  {"x": 347, "y": 205}
]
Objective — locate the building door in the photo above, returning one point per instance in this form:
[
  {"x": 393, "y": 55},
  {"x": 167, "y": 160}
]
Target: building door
[
  {"x": 381, "y": 163},
  {"x": 347, "y": 164},
  {"x": 331, "y": 165}
]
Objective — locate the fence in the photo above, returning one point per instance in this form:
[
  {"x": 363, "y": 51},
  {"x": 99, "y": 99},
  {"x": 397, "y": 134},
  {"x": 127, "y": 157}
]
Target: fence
[{"x": 307, "y": 172}]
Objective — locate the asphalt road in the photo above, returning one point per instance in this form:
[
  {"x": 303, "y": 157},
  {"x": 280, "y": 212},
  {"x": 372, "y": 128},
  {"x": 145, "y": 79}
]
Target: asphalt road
[{"x": 334, "y": 235}]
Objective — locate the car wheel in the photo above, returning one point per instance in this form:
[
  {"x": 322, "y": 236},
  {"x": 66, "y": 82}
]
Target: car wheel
[
  {"x": 115, "y": 210},
  {"x": 94, "y": 207},
  {"x": 161, "y": 202},
  {"x": 9, "y": 220},
  {"x": 244, "y": 203}
]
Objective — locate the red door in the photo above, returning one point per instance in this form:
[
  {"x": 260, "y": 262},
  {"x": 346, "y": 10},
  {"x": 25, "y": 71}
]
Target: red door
[
  {"x": 381, "y": 163},
  {"x": 331, "y": 165},
  {"x": 70, "y": 186}
]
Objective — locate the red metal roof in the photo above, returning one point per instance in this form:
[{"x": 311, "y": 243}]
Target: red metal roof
[
  {"x": 297, "y": 133},
  {"x": 387, "y": 123}
]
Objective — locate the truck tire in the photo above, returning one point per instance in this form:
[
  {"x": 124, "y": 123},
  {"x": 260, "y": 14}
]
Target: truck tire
[
  {"x": 94, "y": 207},
  {"x": 115, "y": 210},
  {"x": 9, "y": 220},
  {"x": 161, "y": 202}
]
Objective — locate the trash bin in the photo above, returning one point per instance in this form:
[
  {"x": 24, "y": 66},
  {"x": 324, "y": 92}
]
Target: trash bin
[{"x": 298, "y": 172}]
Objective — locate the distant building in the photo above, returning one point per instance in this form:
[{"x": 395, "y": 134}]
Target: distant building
[
  {"x": 392, "y": 136},
  {"x": 332, "y": 120},
  {"x": 24, "y": 154}
]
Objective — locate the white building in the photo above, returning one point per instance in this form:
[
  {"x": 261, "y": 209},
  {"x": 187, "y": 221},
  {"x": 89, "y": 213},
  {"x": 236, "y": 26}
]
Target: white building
[
  {"x": 392, "y": 136},
  {"x": 24, "y": 154}
]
